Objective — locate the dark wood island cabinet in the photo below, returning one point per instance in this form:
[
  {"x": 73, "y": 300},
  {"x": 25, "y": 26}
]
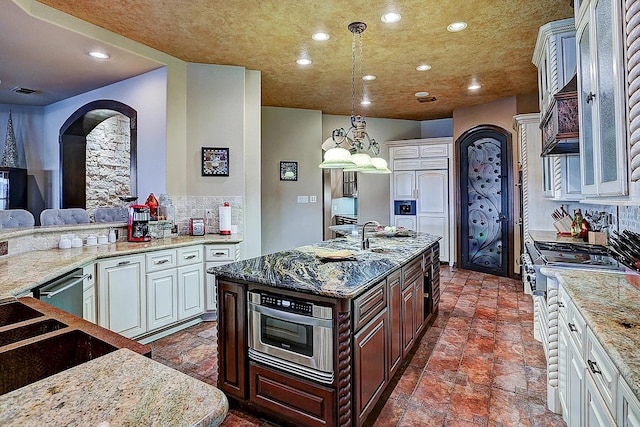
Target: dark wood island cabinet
[{"x": 379, "y": 305}]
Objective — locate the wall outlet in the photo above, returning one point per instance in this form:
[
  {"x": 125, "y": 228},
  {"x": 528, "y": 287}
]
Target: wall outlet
[
  {"x": 312, "y": 199},
  {"x": 4, "y": 248}
]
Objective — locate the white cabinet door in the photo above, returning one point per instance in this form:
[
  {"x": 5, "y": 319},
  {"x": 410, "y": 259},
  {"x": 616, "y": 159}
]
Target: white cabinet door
[
  {"x": 601, "y": 96},
  {"x": 628, "y": 406},
  {"x": 406, "y": 221},
  {"x": 216, "y": 255},
  {"x": 575, "y": 387},
  {"x": 162, "y": 298},
  {"x": 404, "y": 185},
  {"x": 122, "y": 295},
  {"x": 433, "y": 206},
  {"x": 595, "y": 412},
  {"x": 406, "y": 152},
  {"x": 190, "y": 291}
]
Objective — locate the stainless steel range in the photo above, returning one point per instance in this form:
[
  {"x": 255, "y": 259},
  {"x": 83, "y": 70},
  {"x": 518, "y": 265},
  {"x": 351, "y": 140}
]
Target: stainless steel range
[{"x": 559, "y": 255}]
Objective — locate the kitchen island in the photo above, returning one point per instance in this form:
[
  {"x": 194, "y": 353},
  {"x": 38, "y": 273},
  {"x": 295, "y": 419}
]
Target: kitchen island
[{"x": 372, "y": 307}]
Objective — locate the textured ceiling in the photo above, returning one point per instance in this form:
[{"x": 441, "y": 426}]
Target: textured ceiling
[{"x": 269, "y": 35}]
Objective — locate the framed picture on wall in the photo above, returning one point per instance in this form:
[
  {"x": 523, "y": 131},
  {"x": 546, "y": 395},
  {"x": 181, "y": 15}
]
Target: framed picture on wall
[
  {"x": 215, "y": 161},
  {"x": 288, "y": 171}
]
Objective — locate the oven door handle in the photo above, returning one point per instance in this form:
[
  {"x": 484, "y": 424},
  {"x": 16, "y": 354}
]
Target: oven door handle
[{"x": 292, "y": 317}]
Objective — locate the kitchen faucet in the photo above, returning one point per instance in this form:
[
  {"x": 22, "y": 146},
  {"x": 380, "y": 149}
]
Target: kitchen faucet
[{"x": 365, "y": 242}]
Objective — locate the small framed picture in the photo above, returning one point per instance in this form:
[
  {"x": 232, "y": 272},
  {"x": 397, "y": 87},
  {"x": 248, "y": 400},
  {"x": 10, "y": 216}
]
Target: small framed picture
[
  {"x": 215, "y": 161},
  {"x": 288, "y": 171}
]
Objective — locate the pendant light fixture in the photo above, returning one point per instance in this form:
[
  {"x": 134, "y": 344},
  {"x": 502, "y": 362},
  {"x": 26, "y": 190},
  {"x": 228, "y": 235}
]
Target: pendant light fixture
[{"x": 353, "y": 155}]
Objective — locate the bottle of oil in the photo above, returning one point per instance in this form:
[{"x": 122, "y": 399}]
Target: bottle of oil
[{"x": 576, "y": 225}]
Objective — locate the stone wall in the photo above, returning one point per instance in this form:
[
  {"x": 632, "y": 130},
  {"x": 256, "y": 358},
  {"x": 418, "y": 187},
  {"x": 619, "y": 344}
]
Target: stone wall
[{"x": 108, "y": 163}]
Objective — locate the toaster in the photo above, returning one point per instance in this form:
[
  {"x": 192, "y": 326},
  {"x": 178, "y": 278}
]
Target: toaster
[{"x": 196, "y": 227}]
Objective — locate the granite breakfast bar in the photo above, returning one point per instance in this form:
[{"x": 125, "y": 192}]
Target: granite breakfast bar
[{"x": 380, "y": 301}]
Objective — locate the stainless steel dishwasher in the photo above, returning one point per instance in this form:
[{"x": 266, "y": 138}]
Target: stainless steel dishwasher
[{"x": 64, "y": 292}]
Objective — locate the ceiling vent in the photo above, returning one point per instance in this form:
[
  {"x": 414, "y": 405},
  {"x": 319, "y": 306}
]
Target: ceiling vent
[
  {"x": 427, "y": 99},
  {"x": 23, "y": 90}
]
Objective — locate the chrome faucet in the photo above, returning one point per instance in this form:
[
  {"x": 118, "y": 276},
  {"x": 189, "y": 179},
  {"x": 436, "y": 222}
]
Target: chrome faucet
[{"x": 365, "y": 242}]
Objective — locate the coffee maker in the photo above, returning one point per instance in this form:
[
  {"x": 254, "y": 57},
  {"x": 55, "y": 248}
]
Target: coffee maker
[{"x": 139, "y": 216}]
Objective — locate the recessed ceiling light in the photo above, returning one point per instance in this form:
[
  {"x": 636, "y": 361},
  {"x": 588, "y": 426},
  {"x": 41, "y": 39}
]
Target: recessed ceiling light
[
  {"x": 303, "y": 61},
  {"x": 98, "y": 55},
  {"x": 454, "y": 27},
  {"x": 390, "y": 18},
  {"x": 321, "y": 36},
  {"x": 369, "y": 77},
  {"x": 422, "y": 94},
  {"x": 423, "y": 67},
  {"x": 474, "y": 86},
  {"x": 365, "y": 102}
]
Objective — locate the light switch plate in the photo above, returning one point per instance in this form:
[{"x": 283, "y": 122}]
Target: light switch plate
[{"x": 303, "y": 199}]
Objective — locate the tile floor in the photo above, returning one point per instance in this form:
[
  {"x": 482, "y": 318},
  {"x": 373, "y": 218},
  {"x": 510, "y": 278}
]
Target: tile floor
[{"x": 477, "y": 365}]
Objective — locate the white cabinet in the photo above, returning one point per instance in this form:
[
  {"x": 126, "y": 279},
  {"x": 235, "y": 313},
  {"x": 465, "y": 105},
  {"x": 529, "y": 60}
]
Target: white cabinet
[
  {"x": 404, "y": 185},
  {"x": 190, "y": 291},
  {"x": 561, "y": 177},
  {"x": 421, "y": 172},
  {"x": 591, "y": 390},
  {"x": 628, "y": 406},
  {"x": 216, "y": 255},
  {"x": 555, "y": 57},
  {"x": 162, "y": 298},
  {"x": 89, "y": 294},
  {"x": 433, "y": 206},
  {"x": 601, "y": 97},
  {"x": 122, "y": 296}
]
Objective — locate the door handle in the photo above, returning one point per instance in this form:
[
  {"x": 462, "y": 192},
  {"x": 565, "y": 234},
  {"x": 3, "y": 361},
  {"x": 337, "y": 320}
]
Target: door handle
[{"x": 501, "y": 218}]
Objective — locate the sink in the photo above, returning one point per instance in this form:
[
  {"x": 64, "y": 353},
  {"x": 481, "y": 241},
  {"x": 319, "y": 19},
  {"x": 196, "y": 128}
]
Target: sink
[
  {"x": 34, "y": 361},
  {"x": 29, "y": 331},
  {"x": 15, "y": 312}
]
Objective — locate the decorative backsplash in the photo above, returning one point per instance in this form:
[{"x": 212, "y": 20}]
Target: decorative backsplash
[{"x": 195, "y": 207}]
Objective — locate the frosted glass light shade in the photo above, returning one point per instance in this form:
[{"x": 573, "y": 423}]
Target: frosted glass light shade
[
  {"x": 380, "y": 164},
  {"x": 337, "y": 158},
  {"x": 362, "y": 163}
]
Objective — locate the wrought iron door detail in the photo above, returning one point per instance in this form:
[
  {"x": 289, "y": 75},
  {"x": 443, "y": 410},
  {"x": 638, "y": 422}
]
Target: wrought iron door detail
[
  {"x": 484, "y": 200},
  {"x": 484, "y": 203}
]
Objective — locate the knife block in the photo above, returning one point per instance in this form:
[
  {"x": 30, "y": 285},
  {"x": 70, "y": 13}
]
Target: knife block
[{"x": 563, "y": 225}]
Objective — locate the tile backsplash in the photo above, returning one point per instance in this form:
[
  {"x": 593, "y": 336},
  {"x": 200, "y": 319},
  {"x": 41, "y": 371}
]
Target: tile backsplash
[{"x": 196, "y": 206}]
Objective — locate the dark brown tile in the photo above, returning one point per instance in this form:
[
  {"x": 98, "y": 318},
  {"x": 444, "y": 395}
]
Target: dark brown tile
[
  {"x": 421, "y": 417},
  {"x": 390, "y": 414}
]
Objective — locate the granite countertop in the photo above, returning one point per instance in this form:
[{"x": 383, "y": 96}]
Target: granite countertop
[
  {"x": 20, "y": 273},
  {"x": 611, "y": 308},
  {"x": 120, "y": 388},
  {"x": 301, "y": 269}
]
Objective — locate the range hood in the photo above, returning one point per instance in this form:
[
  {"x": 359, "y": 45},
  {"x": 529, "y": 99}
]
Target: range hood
[{"x": 560, "y": 125}]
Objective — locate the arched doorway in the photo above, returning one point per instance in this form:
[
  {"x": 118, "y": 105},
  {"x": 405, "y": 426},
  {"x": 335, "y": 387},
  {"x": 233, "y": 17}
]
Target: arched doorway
[
  {"x": 485, "y": 230},
  {"x": 74, "y": 160}
]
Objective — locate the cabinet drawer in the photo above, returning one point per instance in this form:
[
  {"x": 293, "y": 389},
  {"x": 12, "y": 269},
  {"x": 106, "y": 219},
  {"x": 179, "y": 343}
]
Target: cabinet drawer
[
  {"x": 434, "y": 163},
  {"x": 367, "y": 306},
  {"x": 220, "y": 252},
  {"x": 160, "y": 260},
  {"x": 190, "y": 255},
  {"x": 404, "y": 165},
  {"x": 292, "y": 398},
  {"x": 434, "y": 150},
  {"x": 411, "y": 271},
  {"x": 604, "y": 373},
  {"x": 406, "y": 152}
]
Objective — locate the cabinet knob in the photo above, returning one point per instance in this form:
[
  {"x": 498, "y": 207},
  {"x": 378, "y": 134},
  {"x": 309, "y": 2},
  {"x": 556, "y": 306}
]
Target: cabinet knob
[
  {"x": 572, "y": 327},
  {"x": 190, "y": 257},
  {"x": 590, "y": 97},
  {"x": 124, "y": 262}
]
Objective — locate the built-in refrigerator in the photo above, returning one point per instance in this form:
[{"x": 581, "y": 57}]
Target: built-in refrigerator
[{"x": 13, "y": 188}]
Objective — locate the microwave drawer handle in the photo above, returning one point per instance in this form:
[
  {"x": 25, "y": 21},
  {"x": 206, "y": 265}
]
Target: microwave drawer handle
[
  {"x": 292, "y": 317},
  {"x": 52, "y": 291}
]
